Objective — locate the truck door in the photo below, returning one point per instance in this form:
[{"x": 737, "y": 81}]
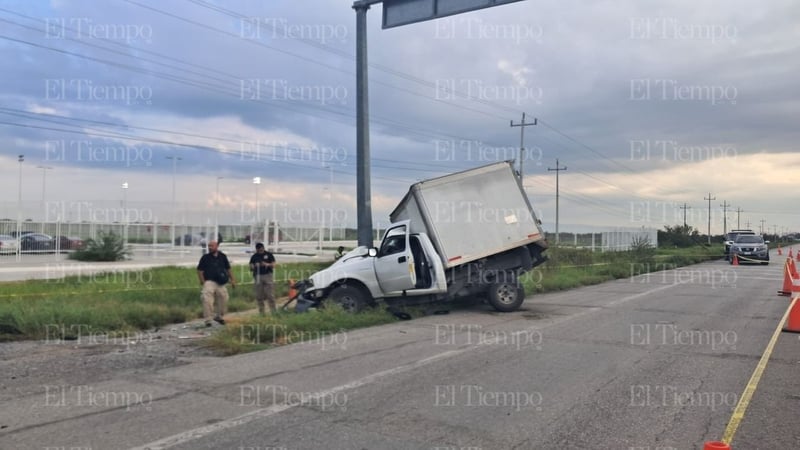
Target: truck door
[{"x": 394, "y": 263}]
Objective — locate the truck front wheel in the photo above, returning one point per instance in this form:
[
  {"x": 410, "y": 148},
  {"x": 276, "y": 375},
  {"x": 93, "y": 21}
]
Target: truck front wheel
[
  {"x": 506, "y": 296},
  {"x": 351, "y": 298}
]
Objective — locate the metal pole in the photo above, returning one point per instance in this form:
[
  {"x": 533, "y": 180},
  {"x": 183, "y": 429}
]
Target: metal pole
[
  {"x": 44, "y": 185},
  {"x": 216, "y": 211},
  {"x": 125, "y": 212},
  {"x": 363, "y": 193},
  {"x": 558, "y": 239},
  {"x": 174, "y": 208},
  {"x": 522, "y": 126},
  {"x": 20, "y": 159},
  {"x": 330, "y": 203},
  {"x": 725, "y": 206},
  {"x": 557, "y": 170},
  {"x": 709, "y": 215}
]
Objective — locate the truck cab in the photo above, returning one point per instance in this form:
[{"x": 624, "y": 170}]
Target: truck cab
[{"x": 404, "y": 264}]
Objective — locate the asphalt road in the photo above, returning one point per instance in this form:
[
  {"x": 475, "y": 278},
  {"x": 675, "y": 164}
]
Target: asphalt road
[{"x": 657, "y": 361}]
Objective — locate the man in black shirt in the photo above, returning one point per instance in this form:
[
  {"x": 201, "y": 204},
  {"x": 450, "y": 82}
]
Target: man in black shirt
[
  {"x": 214, "y": 272},
  {"x": 261, "y": 264}
]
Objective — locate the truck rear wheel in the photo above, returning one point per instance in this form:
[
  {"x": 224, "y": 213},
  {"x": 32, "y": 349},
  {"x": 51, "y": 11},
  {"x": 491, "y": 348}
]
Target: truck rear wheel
[
  {"x": 506, "y": 296},
  {"x": 352, "y": 299}
]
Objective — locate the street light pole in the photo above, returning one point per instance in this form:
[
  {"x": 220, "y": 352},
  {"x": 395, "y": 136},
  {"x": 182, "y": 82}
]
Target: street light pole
[
  {"x": 330, "y": 201},
  {"x": 175, "y": 160},
  {"x": 20, "y": 159},
  {"x": 125, "y": 211},
  {"x": 216, "y": 211},
  {"x": 44, "y": 185},
  {"x": 257, "y": 182}
]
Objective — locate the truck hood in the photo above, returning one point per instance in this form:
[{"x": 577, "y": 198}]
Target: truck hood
[{"x": 339, "y": 269}]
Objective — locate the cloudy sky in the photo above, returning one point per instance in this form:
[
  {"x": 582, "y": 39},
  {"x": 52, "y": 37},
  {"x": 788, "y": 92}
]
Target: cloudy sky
[{"x": 648, "y": 105}]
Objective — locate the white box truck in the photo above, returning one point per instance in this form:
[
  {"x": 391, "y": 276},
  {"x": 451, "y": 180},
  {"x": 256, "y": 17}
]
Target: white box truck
[{"x": 471, "y": 233}]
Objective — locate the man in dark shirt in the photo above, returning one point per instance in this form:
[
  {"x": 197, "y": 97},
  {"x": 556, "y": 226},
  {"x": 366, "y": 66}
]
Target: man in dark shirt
[
  {"x": 214, "y": 272},
  {"x": 262, "y": 264}
]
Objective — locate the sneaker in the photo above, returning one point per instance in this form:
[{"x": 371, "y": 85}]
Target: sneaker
[{"x": 219, "y": 320}]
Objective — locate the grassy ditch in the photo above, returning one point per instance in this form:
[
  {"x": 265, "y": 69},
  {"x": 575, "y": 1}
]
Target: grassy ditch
[
  {"x": 569, "y": 268},
  {"x": 128, "y": 301},
  {"x": 324, "y": 327},
  {"x": 119, "y": 301}
]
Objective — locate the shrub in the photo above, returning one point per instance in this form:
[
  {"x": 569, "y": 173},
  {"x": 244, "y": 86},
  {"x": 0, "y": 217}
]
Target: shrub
[{"x": 107, "y": 247}]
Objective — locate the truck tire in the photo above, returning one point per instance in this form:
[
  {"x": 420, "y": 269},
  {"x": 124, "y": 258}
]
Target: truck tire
[
  {"x": 506, "y": 296},
  {"x": 352, "y": 299}
]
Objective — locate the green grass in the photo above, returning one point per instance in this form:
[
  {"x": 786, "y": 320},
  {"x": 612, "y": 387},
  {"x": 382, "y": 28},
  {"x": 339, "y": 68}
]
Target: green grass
[
  {"x": 323, "y": 327},
  {"x": 569, "y": 268},
  {"x": 119, "y": 301},
  {"x": 143, "y": 299}
]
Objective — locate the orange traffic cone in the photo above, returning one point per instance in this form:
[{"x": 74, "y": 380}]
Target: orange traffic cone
[
  {"x": 779, "y": 251},
  {"x": 790, "y": 253},
  {"x": 715, "y": 445},
  {"x": 292, "y": 289},
  {"x": 798, "y": 255},
  {"x": 788, "y": 282},
  {"x": 735, "y": 260},
  {"x": 793, "y": 322},
  {"x": 792, "y": 268}
]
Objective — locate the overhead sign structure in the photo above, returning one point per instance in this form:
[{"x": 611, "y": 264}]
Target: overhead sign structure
[{"x": 404, "y": 12}]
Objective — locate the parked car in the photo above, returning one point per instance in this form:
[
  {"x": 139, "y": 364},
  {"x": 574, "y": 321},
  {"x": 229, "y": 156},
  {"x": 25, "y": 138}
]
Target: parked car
[
  {"x": 750, "y": 248},
  {"x": 731, "y": 236},
  {"x": 69, "y": 242},
  {"x": 37, "y": 242},
  {"x": 8, "y": 244},
  {"x": 15, "y": 234}
]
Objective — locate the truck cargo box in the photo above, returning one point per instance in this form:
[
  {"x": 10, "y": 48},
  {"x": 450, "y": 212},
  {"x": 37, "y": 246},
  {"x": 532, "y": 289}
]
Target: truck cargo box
[{"x": 471, "y": 214}]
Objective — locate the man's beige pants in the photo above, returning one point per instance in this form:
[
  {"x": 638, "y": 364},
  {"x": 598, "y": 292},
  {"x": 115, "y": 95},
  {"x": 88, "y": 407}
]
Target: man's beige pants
[{"x": 215, "y": 300}]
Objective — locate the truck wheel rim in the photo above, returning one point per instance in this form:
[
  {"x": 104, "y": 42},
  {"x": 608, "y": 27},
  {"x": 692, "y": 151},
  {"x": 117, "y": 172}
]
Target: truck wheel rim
[
  {"x": 348, "y": 303},
  {"x": 506, "y": 294}
]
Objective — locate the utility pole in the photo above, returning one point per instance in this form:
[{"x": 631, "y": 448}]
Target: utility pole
[
  {"x": 747, "y": 224},
  {"x": 738, "y": 214},
  {"x": 709, "y": 215},
  {"x": 556, "y": 170},
  {"x": 522, "y": 126},
  {"x": 761, "y": 227},
  {"x": 684, "y": 208},
  {"x": 725, "y": 206}
]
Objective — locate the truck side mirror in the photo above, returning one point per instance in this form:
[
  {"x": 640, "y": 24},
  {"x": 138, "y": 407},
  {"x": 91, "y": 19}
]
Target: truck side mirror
[{"x": 373, "y": 252}]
